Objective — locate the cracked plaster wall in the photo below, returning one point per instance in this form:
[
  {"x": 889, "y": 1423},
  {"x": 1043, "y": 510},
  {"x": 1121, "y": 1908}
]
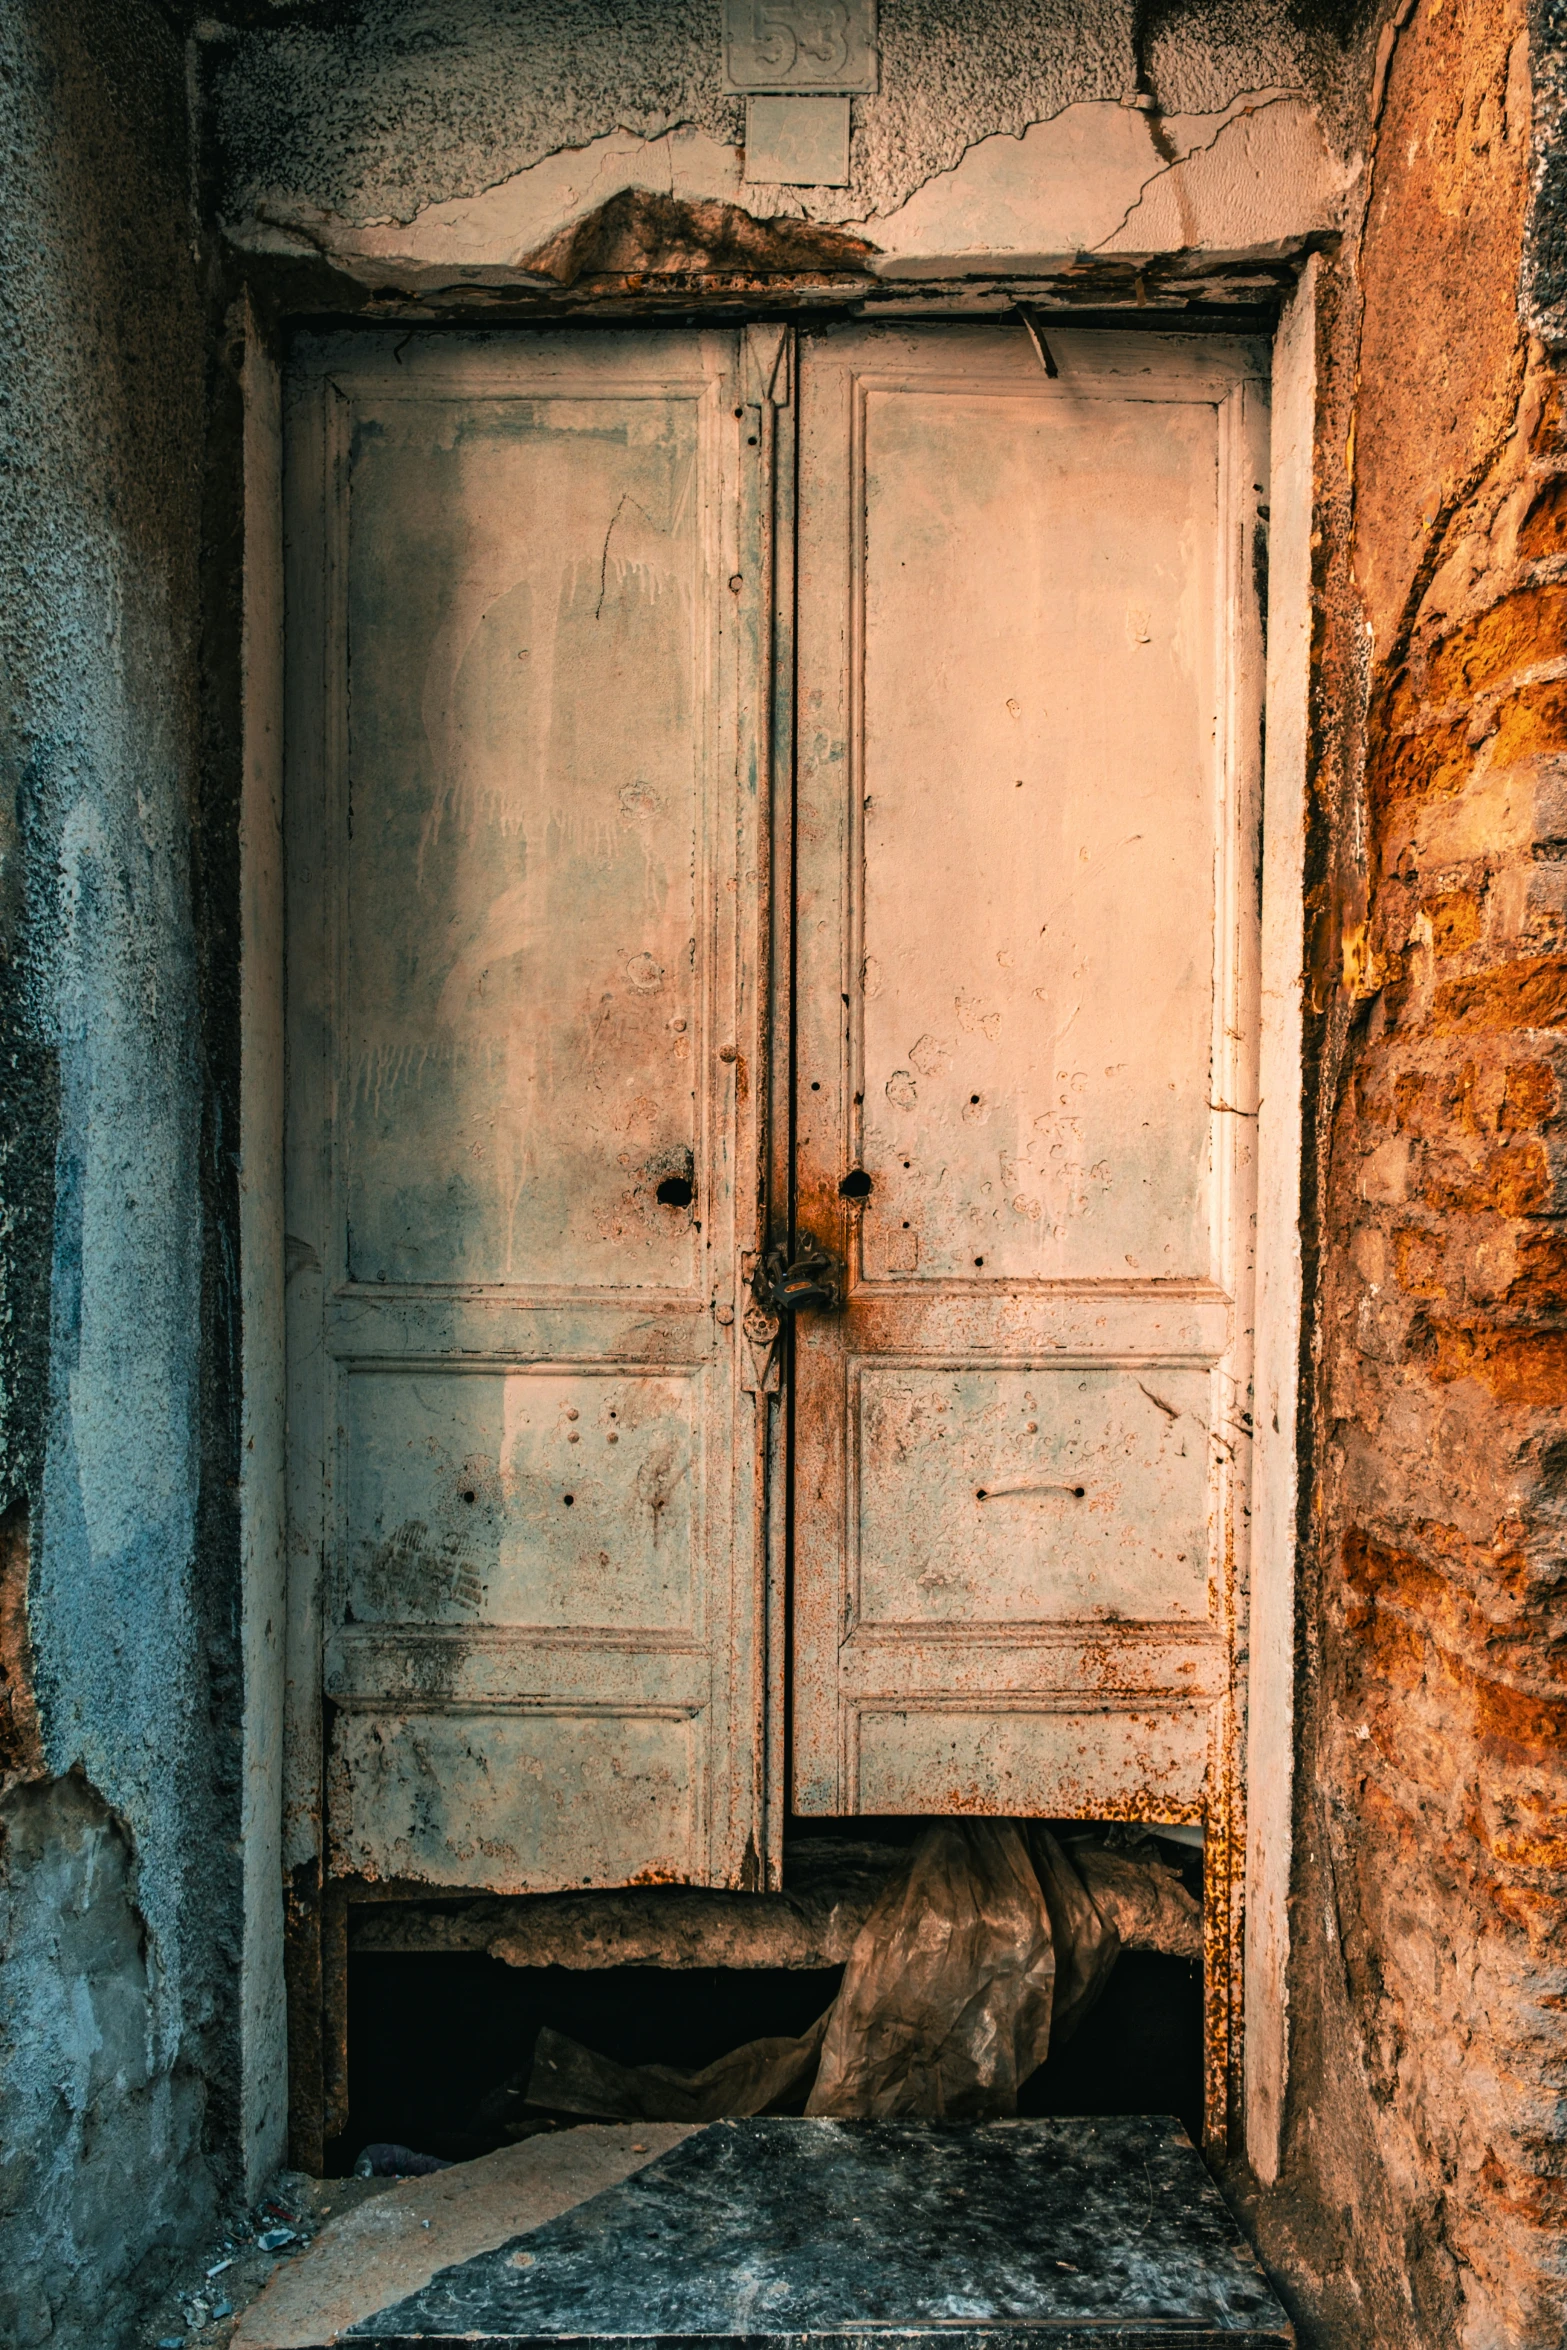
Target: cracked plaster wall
[{"x": 410, "y": 147}]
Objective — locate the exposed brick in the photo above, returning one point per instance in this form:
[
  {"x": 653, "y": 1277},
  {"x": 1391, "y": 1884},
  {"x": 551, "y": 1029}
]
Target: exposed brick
[
  {"x": 1512, "y": 1181},
  {"x": 1544, "y": 529},
  {"x": 1539, "y": 1282},
  {"x": 1546, "y": 439},
  {"x": 1529, "y": 1093},
  {"x": 1518, "y": 1366},
  {"x": 1420, "y": 1261},
  {"x": 1533, "y": 722},
  {"x": 1430, "y": 765}
]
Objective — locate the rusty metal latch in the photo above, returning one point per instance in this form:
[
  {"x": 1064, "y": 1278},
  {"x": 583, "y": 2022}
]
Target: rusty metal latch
[{"x": 812, "y": 1281}]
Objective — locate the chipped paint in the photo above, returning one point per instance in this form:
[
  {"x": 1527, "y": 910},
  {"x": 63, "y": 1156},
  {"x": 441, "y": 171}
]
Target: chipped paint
[
  {"x": 1019, "y": 1510},
  {"x": 1257, "y": 178},
  {"x": 526, "y": 1658}
]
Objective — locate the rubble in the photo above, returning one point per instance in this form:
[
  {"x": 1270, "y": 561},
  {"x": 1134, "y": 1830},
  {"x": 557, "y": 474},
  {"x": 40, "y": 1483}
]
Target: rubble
[
  {"x": 829, "y": 1888},
  {"x": 383, "y": 2161}
]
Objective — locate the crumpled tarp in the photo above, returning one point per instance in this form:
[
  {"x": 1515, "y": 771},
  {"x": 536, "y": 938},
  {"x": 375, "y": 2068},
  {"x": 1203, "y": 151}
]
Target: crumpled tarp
[
  {"x": 984, "y": 1950},
  {"x": 765, "y": 2076},
  {"x": 1138, "y": 1893},
  {"x": 945, "y": 2005}
]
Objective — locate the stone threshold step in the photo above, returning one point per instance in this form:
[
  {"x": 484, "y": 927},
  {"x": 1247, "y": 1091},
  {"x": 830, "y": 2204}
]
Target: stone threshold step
[{"x": 1066, "y": 2233}]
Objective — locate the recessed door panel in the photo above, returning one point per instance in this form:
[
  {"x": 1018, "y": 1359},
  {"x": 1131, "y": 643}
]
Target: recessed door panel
[
  {"x": 1026, "y": 1023},
  {"x": 989, "y": 1496},
  {"x": 1037, "y": 625},
  {"x": 541, "y": 1497},
  {"x": 528, "y": 625},
  {"x": 1041, "y": 1760},
  {"x": 469, "y": 1799}
]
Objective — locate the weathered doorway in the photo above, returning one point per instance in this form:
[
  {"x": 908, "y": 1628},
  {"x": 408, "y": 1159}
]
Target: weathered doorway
[{"x": 756, "y": 803}]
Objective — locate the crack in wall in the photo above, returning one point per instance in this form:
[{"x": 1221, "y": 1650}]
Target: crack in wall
[{"x": 1244, "y": 112}]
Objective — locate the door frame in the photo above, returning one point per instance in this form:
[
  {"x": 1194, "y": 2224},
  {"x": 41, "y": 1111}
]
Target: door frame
[{"x": 282, "y": 2035}]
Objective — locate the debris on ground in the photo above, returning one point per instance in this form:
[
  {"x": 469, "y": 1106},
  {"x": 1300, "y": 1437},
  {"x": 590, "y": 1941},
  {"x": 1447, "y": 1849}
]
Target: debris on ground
[
  {"x": 384, "y": 2161},
  {"x": 764, "y": 2076},
  {"x": 969, "y": 1955},
  {"x": 201, "y": 2311}
]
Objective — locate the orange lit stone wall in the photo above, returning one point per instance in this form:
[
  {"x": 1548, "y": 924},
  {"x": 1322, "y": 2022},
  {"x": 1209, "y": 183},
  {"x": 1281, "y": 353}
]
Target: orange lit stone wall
[{"x": 1425, "y": 2187}]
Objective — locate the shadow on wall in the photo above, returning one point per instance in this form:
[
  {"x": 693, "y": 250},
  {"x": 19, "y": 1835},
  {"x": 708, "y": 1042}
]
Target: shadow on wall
[{"x": 93, "y": 2107}]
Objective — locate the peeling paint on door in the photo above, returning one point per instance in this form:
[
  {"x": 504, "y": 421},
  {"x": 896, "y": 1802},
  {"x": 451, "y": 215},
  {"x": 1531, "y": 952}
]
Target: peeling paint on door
[
  {"x": 530, "y": 987},
  {"x": 1030, "y": 683},
  {"x": 523, "y": 857}
]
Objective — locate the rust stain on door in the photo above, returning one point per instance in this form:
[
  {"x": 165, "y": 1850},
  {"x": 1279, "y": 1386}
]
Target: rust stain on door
[{"x": 1030, "y": 680}]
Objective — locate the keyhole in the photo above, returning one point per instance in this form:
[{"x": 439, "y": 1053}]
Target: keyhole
[
  {"x": 674, "y": 1192},
  {"x": 855, "y": 1185}
]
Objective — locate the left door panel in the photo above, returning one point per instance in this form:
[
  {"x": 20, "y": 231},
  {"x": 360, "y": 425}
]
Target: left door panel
[{"x": 523, "y": 900}]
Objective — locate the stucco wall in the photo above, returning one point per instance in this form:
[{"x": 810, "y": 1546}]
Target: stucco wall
[
  {"x": 433, "y": 152},
  {"x": 115, "y": 1835},
  {"x": 383, "y": 115}
]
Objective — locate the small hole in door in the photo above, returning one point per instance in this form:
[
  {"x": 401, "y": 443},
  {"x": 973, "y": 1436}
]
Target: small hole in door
[
  {"x": 674, "y": 1192},
  {"x": 470, "y": 1496},
  {"x": 568, "y": 1499},
  {"x": 856, "y": 1184}
]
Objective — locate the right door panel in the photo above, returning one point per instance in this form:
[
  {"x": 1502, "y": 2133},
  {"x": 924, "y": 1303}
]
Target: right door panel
[{"x": 1029, "y": 710}]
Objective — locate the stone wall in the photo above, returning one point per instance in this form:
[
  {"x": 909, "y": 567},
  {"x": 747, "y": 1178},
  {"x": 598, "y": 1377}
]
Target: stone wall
[
  {"x": 117, "y": 1708},
  {"x": 1422, "y": 2200}
]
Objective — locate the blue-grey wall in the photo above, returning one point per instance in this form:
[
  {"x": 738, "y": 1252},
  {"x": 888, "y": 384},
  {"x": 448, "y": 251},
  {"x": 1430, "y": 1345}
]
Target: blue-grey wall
[{"x": 116, "y": 1812}]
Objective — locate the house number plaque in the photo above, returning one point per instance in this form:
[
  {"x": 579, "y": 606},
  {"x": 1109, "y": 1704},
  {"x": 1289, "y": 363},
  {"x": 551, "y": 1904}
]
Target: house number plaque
[{"x": 800, "y": 46}]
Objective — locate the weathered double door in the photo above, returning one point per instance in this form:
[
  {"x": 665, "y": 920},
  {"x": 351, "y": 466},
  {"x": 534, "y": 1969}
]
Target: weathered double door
[{"x": 749, "y": 792}]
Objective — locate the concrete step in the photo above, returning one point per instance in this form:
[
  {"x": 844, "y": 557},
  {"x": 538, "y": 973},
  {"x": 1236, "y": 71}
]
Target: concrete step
[{"x": 1066, "y": 2233}]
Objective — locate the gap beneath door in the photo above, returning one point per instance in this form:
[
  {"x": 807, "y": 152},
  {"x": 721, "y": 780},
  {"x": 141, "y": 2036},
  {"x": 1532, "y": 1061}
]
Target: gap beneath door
[{"x": 441, "y": 2040}]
